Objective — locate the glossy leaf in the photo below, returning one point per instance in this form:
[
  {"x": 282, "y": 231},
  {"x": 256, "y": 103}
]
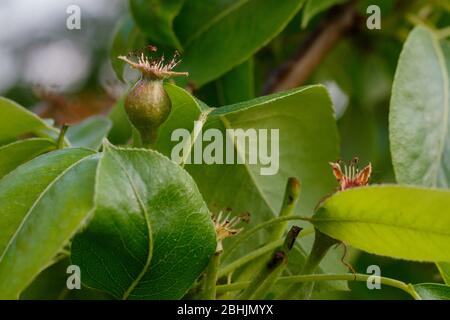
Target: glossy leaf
[
  {"x": 419, "y": 118},
  {"x": 420, "y": 112},
  {"x": 432, "y": 291},
  {"x": 237, "y": 85},
  {"x": 152, "y": 234},
  {"x": 15, "y": 121},
  {"x": 228, "y": 33},
  {"x": 308, "y": 140},
  {"x": 314, "y": 7},
  {"x": 296, "y": 115},
  {"x": 302, "y": 115},
  {"x": 89, "y": 133},
  {"x": 51, "y": 284},
  {"x": 402, "y": 222},
  {"x": 292, "y": 113},
  {"x": 42, "y": 204},
  {"x": 155, "y": 18},
  {"x": 19, "y": 152}
]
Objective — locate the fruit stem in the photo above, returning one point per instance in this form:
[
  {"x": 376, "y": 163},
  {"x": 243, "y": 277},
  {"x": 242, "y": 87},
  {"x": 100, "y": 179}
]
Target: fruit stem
[
  {"x": 231, "y": 267},
  {"x": 291, "y": 195},
  {"x": 148, "y": 140},
  {"x": 61, "y": 138},
  {"x": 209, "y": 286},
  {"x": 322, "y": 243},
  {"x": 250, "y": 232},
  {"x": 261, "y": 284}
]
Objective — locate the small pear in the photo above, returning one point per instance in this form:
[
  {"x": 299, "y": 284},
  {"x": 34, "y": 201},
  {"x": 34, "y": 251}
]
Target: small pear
[{"x": 147, "y": 104}]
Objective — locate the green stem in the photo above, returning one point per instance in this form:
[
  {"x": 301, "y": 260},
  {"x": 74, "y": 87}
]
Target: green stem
[
  {"x": 229, "y": 268},
  {"x": 263, "y": 281},
  {"x": 291, "y": 196},
  {"x": 209, "y": 286},
  {"x": 261, "y": 284},
  {"x": 149, "y": 139},
  {"x": 247, "y": 234},
  {"x": 61, "y": 143},
  {"x": 327, "y": 277},
  {"x": 322, "y": 243},
  {"x": 137, "y": 140}
]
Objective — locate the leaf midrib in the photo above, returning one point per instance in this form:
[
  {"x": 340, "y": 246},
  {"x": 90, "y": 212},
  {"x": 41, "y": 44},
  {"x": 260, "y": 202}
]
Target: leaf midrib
[
  {"x": 261, "y": 101},
  {"x": 380, "y": 223},
  {"x": 150, "y": 236},
  {"x": 202, "y": 118},
  {"x": 227, "y": 125},
  {"x": 204, "y": 115}
]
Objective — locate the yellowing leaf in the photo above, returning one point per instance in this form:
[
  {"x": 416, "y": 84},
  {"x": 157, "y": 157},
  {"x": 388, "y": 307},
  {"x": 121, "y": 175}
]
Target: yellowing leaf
[{"x": 396, "y": 221}]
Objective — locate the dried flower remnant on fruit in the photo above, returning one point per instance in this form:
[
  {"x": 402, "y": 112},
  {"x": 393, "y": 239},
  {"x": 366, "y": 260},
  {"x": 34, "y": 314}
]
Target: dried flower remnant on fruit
[
  {"x": 351, "y": 176},
  {"x": 154, "y": 67},
  {"x": 226, "y": 227},
  {"x": 147, "y": 104}
]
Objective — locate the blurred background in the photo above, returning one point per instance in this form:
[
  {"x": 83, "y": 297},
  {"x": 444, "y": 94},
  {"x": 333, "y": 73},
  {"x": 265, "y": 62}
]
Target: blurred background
[
  {"x": 41, "y": 60},
  {"x": 67, "y": 75}
]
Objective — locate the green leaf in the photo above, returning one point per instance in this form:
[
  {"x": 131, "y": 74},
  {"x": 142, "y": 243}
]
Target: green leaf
[
  {"x": 308, "y": 140},
  {"x": 228, "y": 33},
  {"x": 314, "y": 7},
  {"x": 330, "y": 263},
  {"x": 444, "y": 269},
  {"x": 155, "y": 19},
  {"x": 185, "y": 110},
  {"x": 419, "y": 117},
  {"x": 397, "y": 221},
  {"x": 237, "y": 85},
  {"x": 304, "y": 114},
  {"x": 432, "y": 291},
  {"x": 127, "y": 38},
  {"x": 89, "y": 133},
  {"x": 51, "y": 284},
  {"x": 306, "y": 125},
  {"x": 152, "y": 234},
  {"x": 121, "y": 130},
  {"x": 42, "y": 204},
  {"x": 19, "y": 152},
  {"x": 15, "y": 121}
]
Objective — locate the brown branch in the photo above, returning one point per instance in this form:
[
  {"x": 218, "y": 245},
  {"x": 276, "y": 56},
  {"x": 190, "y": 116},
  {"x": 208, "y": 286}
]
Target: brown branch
[{"x": 313, "y": 50}]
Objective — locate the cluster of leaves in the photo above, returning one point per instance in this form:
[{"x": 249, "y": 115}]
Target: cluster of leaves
[{"x": 139, "y": 225}]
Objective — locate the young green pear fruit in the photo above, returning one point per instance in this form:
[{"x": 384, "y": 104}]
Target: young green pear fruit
[{"x": 147, "y": 104}]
